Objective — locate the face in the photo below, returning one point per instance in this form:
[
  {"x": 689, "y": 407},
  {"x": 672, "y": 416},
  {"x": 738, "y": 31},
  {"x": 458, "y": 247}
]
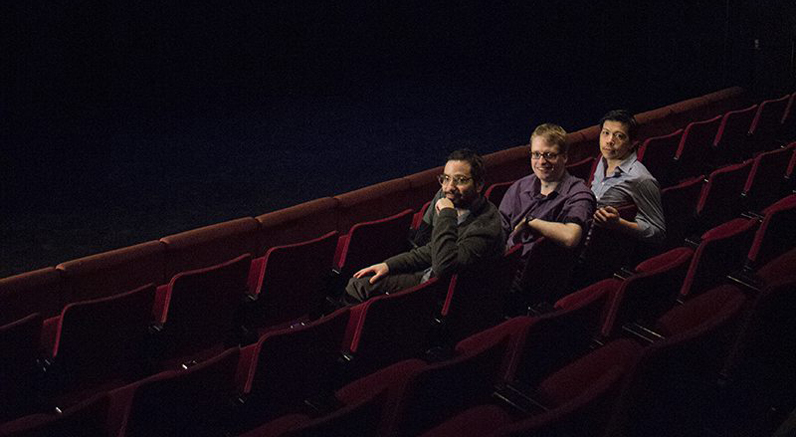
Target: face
[
  {"x": 615, "y": 140},
  {"x": 464, "y": 193},
  {"x": 547, "y": 161}
]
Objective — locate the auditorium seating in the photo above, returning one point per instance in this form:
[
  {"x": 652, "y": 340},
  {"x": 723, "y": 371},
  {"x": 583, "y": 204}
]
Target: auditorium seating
[
  {"x": 583, "y": 169},
  {"x": 704, "y": 323},
  {"x": 658, "y": 153},
  {"x": 767, "y": 125},
  {"x": 720, "y": 199},
  {"x": 289, "y": 282},
  {"x": 766, "y": 179},
  {"x": 355, "y": 250},
  {"x": 679, "y": 210},
  {"x": 495, "y": 192},
  {"x": 390, "y": 328},
  {"x": 694, "y": 153}
]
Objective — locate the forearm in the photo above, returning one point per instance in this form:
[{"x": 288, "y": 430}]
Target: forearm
[{"x": 564, "y": 234}]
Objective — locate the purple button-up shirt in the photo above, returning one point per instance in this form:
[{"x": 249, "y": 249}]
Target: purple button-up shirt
[{"x": 571, "y": 202}]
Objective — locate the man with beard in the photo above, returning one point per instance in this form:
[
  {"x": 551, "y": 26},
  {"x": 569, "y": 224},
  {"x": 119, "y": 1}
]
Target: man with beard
[{"x": 466, "y": 231}]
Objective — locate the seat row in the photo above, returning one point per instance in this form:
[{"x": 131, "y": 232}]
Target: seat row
[{"x": 543, "y": 374}]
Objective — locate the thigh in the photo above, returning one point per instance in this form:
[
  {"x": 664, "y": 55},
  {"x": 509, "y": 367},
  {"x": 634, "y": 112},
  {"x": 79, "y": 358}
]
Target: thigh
[{"x": 359, "y": 290}]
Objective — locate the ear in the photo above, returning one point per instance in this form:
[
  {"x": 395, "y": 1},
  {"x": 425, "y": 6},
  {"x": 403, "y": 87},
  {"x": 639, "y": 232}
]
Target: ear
[{"x": 479, "y": 188}]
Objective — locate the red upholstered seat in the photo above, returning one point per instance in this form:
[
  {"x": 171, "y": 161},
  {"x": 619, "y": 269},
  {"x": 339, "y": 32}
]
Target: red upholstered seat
[
  {"x": 776, "y": 234},
  {"x": 657, "y": 154},
  {"x": 767, "y": 125},
  {"x": 196, "y": 401},
  {"x": 583, "y": 169},
  {"x": 19, "y": 372},
  {"x": 391, "y": 328},
  {"x": 297, "y": 223},
  {"x": 286, "y": 367},
  {"x": 720, "y": 198},
  {"x": 766, "y": 181},
  {"x": 372, "y": 242},
  {"x": 290, "y": 281},
  {"x": 100, "y": 344},
  {"x": 86, "y": 419},
  {"x": 199, "y": 310},
  {"x": 40, "y": 291},
  {"x": 679, "y": 209},
  {"x": 732, "y": 135},
  {"x": 373, "y": 202},
  {"x": 694, "y": 153},
  {"x": 496, "y": 191},
  {"x": 116, "y": 271},
  {"x": 722, "y": 251}
]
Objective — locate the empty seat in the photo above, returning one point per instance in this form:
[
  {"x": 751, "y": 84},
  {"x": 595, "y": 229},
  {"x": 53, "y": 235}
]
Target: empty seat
[
  {"x": 100, "y": 344},
  {"x": 86, "y": 419},
  {"x": 766, "y": 180},
  {"x": 693, "y": 155},
  {"x": 575, "y": 400},
  {"x": 605, "y": 251},
  {"x": 196, "y": 401},
  {"x": 789, "y": 121},
  {"x": 776, "y": 234},
  {"x": 535, "y": 283},
  {"x": 439, "y": 391},
  {"x": 297, "y": 223},
  {"x": 210, "y": 245},
  {"x": 679, "y": 209},
  {"x": 667, "y": 392},
  {"x": 40, "y": 291},
  {"x": 286, "y": 367},
  {"x": 19, "y": 372},
  {"x": 475, "y": 298},
  {"x": 373, "y": 202},
  {"x": 390, "y": 328},
  {"x": 358, "y": 248},
  {"x": 720, "y": 198},
  {"x": 199, "y": 310},
  {"x": 657, "y": 154},
  {"x": 551, "y": 341},
  {"x": 759, "y": 372},
  {"x": 767, "y": 125},
  {"x": 732, "y": 135},
  {"x": 722, "y": 251},
  {"x": 290, "y": 281},
  {"x": 650, "y": 292},
  {"x": 116, "y": 271}
]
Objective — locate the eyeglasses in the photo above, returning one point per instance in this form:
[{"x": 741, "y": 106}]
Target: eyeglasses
[
  {"x": 549, "y": 156},
  {"x": 456, "y": 180}
]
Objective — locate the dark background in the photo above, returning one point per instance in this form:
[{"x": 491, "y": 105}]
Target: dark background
[{"x": 125, "y": 121}]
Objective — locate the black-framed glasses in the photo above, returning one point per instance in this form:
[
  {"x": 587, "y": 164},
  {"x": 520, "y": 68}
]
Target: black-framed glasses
[
  {"x": 549, "y": 156},
  {"x": 456, "y": 180}
]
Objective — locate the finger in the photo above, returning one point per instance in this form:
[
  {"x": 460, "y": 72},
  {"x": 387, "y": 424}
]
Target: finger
[
  {"x": 362, "y": 272},
  {"x": 375, "y": 277}
]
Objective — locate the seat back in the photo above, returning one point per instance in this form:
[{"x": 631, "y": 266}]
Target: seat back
[
  {"x": 694, "y": 153},
  {"x": 722, "y": 251},
  {"x": 475, "y": 297},
  {"x": 645, "y": 296},
  {"x": 496, "y": 191},
  {"x": 291, "y": 280},
  {"x": 679, "y": 208},
  {"x": 605, "y": 251},
  {"x": 767, "y": 124},
  {"x": 441, "y": 390},
  {"x": 40, "y": 291},
  {"x": 583, "y": 169},
  {"x": 291, "y": 365},
  {"x": 201, "y": 309},
  {"x": 657, "y": 154},
  {"x": 766, "y": 179},
  {"x": 546, "y": 272},
  {"x": 195, "y": 402},
  {"x": 106, "y": 339},
  {"x": 556, "y": 339},
  {"x": 732, "y": 135},
  {"x": 390, "y": 328},
  {"x": 665, "y": 394},
  {"x": 19, "y": 350},
  {"x": 720, "y": 198},
  {"x": 776, "y": 234},
  {"x": 580, "y": 396},
  {"x": 87, "y": 419},
  {"x": 368, "y": 243}
]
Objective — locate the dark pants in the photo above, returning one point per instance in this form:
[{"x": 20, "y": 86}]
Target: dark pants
[{"x": 360, "y": 290}]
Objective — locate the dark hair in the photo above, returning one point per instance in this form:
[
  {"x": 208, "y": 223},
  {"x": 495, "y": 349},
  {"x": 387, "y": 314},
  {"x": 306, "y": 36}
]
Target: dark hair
[
  {"x": 477, "y": 168},
  {"x": 622, "y": 116}
]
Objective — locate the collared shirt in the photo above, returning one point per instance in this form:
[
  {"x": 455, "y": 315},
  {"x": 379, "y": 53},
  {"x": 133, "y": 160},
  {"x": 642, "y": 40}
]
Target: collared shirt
[
  {"x": 570, "y": 202},
  {"x": 632, "y": 183}
]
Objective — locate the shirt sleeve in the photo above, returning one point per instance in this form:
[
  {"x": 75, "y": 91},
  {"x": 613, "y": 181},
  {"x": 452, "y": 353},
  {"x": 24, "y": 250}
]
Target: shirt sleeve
[
  {"x": 650, "y": 220},
  {"x": 579, "y": 208},
  {"x": 509, "y": 209}
]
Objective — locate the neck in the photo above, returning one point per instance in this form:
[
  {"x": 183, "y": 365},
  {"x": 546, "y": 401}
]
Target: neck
[{"x": 548, "y": 187}]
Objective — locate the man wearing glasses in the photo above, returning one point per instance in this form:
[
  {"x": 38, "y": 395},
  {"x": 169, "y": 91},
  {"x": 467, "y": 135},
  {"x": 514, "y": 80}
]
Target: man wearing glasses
[
  {"x": 549, "y": 203},
  {"x": 466, "y": 231}
]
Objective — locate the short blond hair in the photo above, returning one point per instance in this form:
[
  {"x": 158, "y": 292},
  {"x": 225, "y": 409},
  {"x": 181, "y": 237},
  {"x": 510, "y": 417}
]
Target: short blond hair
[{"x": 553, "y": 134}]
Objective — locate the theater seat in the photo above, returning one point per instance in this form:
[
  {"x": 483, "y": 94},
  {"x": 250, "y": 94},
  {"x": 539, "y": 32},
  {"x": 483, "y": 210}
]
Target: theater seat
[
  {"x": 19, "y": 372},
  {"x": 732, "y": 136},
  {"x": 720, "y": 199},
  {"x": 766, "y": 181},
  {"x": 358, "y": 248},
  {"x": 694, "y": 153},
  {"x": 658, "y": 153},
  {"x": 767, "y": 125}
]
